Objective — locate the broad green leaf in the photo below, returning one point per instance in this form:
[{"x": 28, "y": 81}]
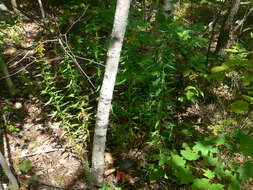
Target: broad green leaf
[
  {"x": 209, "y": 174},
  {"x": 234, "y": 186},
  {"x": 156, "y": 174},
  {"x": 219, "y": 170},
  {"x": 201, "y": 184},
  {"x": 248, "y": 98},
  {"x": 245, "y": 144},
  {"x": 188, "y": 154},
  {"x": 184, "y": 174},
  {"x": 25, "y": 166},
  {"x": 239, "y": 106},
  {"x": 177, "y": 160},
  {"x": 217, "y": 140},
  {"x": 247, "y": 78},
  {"x": 219, "y": 68},
  {"x": 246, "y": 170},
  {"x": 204, "y": 149},
  {"x": 216, "y": 187}
]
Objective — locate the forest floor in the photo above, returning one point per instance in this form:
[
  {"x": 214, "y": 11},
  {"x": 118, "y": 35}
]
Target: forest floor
[
  {"x": 38, "y": 147},
  {"x": 36, "y": 144}
]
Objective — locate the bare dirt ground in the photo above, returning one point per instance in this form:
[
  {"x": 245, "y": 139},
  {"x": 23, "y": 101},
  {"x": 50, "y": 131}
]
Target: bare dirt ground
[{"x": 41, "y": 144}]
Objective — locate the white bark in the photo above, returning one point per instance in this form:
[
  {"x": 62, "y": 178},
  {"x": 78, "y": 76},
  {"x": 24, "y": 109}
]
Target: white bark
[
  {"x": 41, "y": 9},
  {"x": 168, "y": 8},
  {"x": 106, "y": 93},
  {"x": 15, "y": 6},
  {"x": 8, "y": 172}
]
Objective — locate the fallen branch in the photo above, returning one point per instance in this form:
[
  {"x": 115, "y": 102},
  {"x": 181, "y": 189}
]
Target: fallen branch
[
  {"x": 41, "y": 152},
  {"x": 7, "y": 76}
]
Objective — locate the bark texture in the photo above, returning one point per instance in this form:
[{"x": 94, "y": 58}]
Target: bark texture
[
  {"x": 8, "y": 172},
  {"x": 15, "y": 6},
  {"x": 106, "y": 93},
  {"x": 223, "y": 40}
]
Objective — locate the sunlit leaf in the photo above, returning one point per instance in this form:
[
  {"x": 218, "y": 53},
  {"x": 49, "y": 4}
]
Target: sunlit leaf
[
  {"x": 188, "y": 154},
  {"x": 248, "y": 98},
  {"x": 209, "y": 174},
  {"x": 201, "y": 184},
  {"x": 219, "y": 68},
  {"x": 239, "y": 106}
]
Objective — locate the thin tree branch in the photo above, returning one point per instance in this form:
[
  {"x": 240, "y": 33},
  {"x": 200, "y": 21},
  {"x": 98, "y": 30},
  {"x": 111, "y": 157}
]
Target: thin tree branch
[
  {"x": 24, "y": 57},
  {"x": 76, "y": 21},
  {"x": 7, "y": 76},
  {"x": 86, "y": 59},
  {"x": 76, "y": 62}
]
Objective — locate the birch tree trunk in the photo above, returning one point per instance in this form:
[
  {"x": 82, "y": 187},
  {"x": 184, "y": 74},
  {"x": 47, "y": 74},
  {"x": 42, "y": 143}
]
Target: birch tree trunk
[
  {"x": 106, "y": 93},
  {"x": 8, "y": 172},
  {"x": 15, "y": 6},
  {"x": 168, "y": 8},
  {"x": 41, "y": 9}
]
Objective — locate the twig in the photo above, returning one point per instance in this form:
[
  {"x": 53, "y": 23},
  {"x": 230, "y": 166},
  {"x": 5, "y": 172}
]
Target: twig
[
  {"x": 41, "y": 152},
  {"x": 17, "y": 62},
  {"x": 76, "y": 21},
  {"x": 7, "y": 76},
  {"x": 243, "y": 20},
  {"x": 86, "y": 59},
  {"x": 75, "y": 61}
]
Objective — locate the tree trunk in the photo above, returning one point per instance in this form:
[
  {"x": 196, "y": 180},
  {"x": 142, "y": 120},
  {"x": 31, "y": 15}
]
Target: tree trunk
[
  {"x": 15, "y": 6},
  {"x": 223, "y": 40},
  {"x": 168, "y": 8},
  {"x": 41, "y": 9},
  {"x": 9, "y": 82},
  {"x": 106, "y": 93},
  {"x": 8, "y": 172}
]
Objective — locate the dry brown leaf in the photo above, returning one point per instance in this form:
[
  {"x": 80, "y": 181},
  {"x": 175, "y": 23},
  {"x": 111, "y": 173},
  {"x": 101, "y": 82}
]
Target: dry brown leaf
[
  {"x": 109, "y": 171},
  {"x": 122, "y": 176},
  {"x": 108, "y": 158}
]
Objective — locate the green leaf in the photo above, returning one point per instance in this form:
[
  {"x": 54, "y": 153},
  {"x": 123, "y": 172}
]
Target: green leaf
[
  {"x": 201, "y": 184},
  {"x": 217, "y": 140},
  {"x": 248, "y": 98},
  {"x": 188, "y": 154},
  {"x": 209, "y": 174},
  {"x": 178, "y": 160},
  {"x": 184, "y": 174},
  {"x": 25, "y": 166},
  {"x": 204, "y": 149},
  {"x": 246, "y": 170},
  {"x": 234, "y": 186},
  {"x": 245, "y": 144},
  {"x": 239, "y": 106},
  {"x": 247, "y": 78},
  {"x": 216, "y": 187},
  {"x": 219, "y": 68}
]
